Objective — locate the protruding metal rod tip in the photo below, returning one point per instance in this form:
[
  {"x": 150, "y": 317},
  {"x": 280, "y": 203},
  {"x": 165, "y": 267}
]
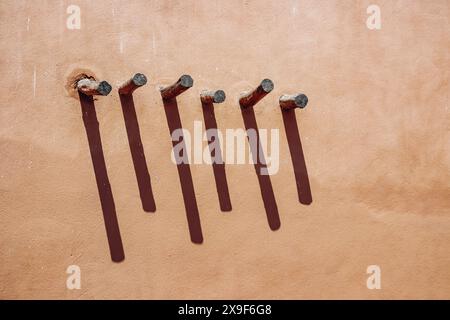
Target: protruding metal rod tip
[
  {"x": 267, "y": 85},
  {"x": 217, "y": 96},
  {"x": 251, "y": 98},
  {"x": 301, "y": 100},
  {"x": 104, "y": 88},
  {"x": 288, "y": 102},
  {"x": 91, "y": 87},
  {"x": 184, "y": 83},
  {"x": 138, "y": 80}
]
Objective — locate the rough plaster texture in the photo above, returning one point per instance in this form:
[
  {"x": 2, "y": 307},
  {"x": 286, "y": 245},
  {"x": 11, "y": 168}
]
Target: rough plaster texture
[{"x": 375, "y": 136}]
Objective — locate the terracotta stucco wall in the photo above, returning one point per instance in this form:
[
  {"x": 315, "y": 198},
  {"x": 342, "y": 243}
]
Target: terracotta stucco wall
[{"x": 375, "y": 136}]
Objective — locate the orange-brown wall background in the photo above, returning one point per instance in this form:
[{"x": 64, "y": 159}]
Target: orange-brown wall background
[{"x": 375, "y": 136}]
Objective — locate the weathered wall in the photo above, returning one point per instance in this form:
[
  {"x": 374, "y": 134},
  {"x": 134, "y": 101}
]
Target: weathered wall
[{"x": 375, "y": 136}]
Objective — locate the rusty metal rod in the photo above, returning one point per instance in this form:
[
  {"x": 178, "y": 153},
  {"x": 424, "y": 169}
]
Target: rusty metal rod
[
  {"x": 184, "y": 83},
  {"x": 137, "y": 81},
  {"x": 251, "y": 98},
  {"x": 91, "y": 87},
  {"x": 217, "y": 96},
  {"x": 292, "y": 101}
]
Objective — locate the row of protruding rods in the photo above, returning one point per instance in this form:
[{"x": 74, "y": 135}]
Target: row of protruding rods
[
  {"x": 89, "y": 87},
  {"x": 287, "y": 101}
]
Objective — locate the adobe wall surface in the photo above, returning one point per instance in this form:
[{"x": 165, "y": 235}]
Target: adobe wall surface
[{"x": 375, "y": 137}]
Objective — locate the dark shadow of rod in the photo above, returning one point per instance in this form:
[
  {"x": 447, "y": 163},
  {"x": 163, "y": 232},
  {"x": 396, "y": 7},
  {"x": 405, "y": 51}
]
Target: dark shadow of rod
[
  {"x": 288, "y": 104},
  {"x": 247, "y": 102},
  {"x": 208, "y": 99},
  {"x": 184, "y": 172},
  {"x": 135, "y": 142}
]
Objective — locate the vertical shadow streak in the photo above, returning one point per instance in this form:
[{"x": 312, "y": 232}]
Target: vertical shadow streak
[
  {"x": 265, "y": 184},
  {"x": 184, "y": 173},
  {"x": 137, "y": 153},
  {"x": 218, "y": 165},
  {"x": 101, "y": 176},
  {"x": 298, "y": 159}
]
